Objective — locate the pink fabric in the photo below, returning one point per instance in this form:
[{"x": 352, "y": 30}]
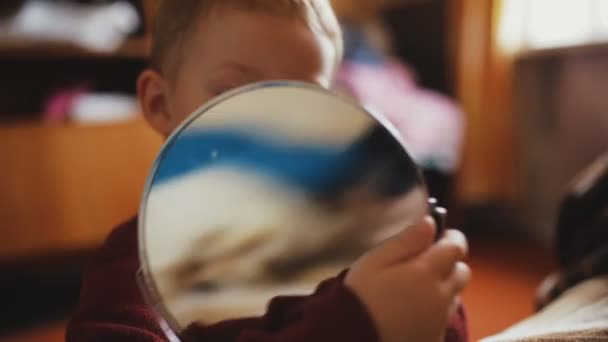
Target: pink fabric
[
  {"x": 431, "y": 124},
  {"x": 59, "y": 103}
]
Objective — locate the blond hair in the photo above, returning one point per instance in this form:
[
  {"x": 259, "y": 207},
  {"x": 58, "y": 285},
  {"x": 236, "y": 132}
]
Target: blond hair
[{"x": 175, "y": 19}]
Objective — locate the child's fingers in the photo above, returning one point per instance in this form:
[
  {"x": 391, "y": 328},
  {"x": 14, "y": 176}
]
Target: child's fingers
[
  {"x": 447, "y": 252},
  {"x": 410, "y": 242},
  {"x": 454, "y": 307},
  {"x": 458, "y": 279}
]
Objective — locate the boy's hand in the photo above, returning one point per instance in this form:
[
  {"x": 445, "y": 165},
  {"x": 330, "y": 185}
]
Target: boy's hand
[{"x": 410, "y": 285}]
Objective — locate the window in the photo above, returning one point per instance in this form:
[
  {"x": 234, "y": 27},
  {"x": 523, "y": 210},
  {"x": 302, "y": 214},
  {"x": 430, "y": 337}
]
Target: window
[{"x": 540, "y": 24}]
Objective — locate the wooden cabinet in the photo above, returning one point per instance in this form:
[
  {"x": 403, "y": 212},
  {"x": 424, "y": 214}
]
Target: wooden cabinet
[{"x": 64, "y": 187}]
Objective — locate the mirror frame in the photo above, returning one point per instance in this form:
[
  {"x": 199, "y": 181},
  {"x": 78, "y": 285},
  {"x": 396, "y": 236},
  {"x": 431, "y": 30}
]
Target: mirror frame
[{"x": 145, "y": 280}]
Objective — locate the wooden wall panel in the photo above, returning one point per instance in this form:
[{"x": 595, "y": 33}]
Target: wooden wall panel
[{"x": 484, "y": 87}]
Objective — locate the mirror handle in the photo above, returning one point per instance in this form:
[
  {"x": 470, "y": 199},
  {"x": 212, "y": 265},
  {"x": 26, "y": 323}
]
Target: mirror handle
[{"x": 440, "y": 216}]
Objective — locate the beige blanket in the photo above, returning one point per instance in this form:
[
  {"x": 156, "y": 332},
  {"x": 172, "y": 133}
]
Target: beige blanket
[{"x": 580, "y": 314}]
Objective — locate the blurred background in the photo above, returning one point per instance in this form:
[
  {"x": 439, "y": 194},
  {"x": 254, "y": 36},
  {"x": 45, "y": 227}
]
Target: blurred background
[{"x": 501, "y": 102}]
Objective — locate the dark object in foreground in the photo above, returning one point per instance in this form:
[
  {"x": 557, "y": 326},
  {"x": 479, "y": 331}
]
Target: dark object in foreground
[{"x": 581, "y": 239}]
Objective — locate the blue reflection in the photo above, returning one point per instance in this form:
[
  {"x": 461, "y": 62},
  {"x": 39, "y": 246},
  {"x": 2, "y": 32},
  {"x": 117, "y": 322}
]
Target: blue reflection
[
  {"x": 375, "y": 159},
  {"x": 305, "y": 166}
]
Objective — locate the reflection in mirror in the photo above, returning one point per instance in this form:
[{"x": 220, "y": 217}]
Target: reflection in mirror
[{"x": 267, "y": 191}]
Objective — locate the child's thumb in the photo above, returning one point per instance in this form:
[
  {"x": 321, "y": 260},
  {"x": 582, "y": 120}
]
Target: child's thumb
[{"x": 409, "y": 243}]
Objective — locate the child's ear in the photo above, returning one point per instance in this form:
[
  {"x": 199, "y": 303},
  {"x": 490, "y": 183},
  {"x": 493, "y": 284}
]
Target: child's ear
[{"x": 152, "y": 92}]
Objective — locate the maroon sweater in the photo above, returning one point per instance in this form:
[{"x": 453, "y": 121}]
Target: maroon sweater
[{"x": 111, "y": 308}]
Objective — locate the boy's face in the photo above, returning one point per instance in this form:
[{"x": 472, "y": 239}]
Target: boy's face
[{"x": 228, "y": 49}]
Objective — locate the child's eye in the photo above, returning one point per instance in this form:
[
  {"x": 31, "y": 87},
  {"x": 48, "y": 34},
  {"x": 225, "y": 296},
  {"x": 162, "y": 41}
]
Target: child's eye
[
  {"x": 215, "y": 91},
  {"x": 225, "y": 83},
  {"x": 219, "y": 89}
]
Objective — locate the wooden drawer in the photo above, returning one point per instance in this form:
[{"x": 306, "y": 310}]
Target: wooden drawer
[{"x": 64, "y": 187}]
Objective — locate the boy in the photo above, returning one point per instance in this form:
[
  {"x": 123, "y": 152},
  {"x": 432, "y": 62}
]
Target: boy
[{"x": 404, "y": 290}]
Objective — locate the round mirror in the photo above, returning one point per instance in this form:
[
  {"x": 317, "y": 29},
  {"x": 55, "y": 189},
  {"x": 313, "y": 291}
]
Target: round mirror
[{"x": 267, "y": 191}]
